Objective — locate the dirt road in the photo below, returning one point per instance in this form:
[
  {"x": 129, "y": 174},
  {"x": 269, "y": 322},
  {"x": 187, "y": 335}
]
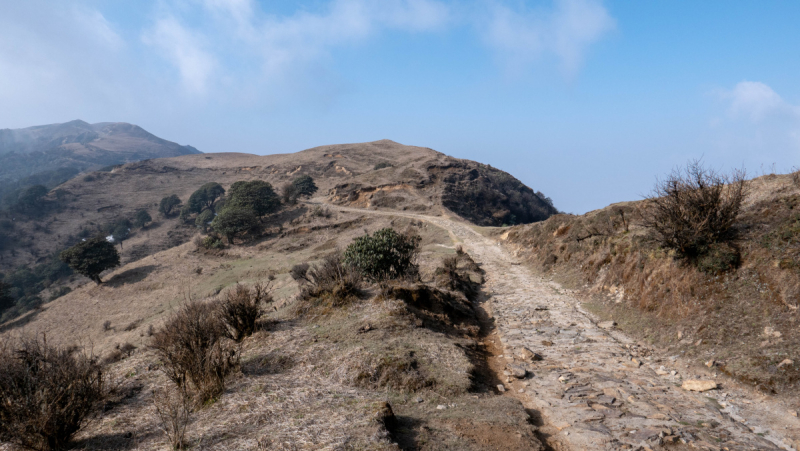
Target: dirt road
[{"x": 596, "y": 389}]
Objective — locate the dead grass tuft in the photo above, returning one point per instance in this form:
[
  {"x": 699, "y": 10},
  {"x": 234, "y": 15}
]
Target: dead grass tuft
[{"x": 241, "y": 307}]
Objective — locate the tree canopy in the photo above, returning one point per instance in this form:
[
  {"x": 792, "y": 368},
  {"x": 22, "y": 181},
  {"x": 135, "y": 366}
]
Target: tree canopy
[
  {"x": 233, "y": 222},
  {"x": 384, "y": 255},
  {"x": 141, "y": 219},
  {"x": 305, "y": 185},
  {"x": 91, "y": 257},
  {"x": 204, "y": 197},
  {"x": 256, "y": 195},
  {"x": 168, "y": 203}
]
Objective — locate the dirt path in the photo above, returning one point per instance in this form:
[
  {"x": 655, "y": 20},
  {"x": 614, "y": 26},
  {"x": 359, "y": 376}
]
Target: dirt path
[{"x": 594, "y": 388}]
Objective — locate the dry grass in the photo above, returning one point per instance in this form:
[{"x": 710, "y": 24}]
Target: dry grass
[{"x": 721, "y": 315}]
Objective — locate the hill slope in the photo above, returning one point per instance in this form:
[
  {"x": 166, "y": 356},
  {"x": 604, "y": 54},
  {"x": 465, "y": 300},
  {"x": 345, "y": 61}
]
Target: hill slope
[{"x": 77, "y": 144}]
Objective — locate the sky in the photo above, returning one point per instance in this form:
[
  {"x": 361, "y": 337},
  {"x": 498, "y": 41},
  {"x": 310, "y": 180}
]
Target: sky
[{"x": 588, "y": 101}]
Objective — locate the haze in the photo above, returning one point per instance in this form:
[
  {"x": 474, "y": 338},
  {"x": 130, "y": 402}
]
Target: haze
[{"x": 587, "y": 101}]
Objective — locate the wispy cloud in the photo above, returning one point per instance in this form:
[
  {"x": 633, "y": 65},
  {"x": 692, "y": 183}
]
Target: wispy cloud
[
  {"x": 184, "y": 49},
  {"x": 522, "y": 36},
  {"x": 757, "y": 101}
]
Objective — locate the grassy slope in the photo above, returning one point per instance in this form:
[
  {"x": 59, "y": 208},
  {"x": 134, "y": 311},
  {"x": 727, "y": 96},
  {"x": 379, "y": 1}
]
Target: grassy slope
[{"x": 745, "y": 320}]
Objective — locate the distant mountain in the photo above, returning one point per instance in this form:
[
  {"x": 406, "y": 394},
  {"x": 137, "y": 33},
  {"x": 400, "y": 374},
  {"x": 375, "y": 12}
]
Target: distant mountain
[{"x": 79, "y": 146}]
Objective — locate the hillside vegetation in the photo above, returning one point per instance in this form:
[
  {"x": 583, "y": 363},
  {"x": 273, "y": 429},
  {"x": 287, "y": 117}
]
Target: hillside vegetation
[{"x": 733, "y": 306}]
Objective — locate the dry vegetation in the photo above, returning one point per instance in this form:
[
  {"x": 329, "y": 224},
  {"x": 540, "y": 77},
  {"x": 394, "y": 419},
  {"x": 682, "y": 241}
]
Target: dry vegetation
[
  {"x": 731, "y": 301},
  {"x": 323, "y": 359}
]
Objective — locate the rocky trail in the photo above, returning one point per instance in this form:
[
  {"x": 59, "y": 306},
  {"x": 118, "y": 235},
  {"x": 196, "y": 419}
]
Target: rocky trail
[{"x": 588, "y": 386}]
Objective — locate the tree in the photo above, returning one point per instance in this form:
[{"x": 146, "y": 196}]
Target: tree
[
  {"x": 233, "y": 222},
  {"x": 204, "y": 197},
  {"x": 31, "y": 200},
  {"x": 204, "y": 219},
  {"x": 6, "y": 300},
  {"x": 384, "y": 255},
  {"x": 256, "y": 195},
  {"x": 290, "y": 193},
  {"x": 141, "y": 219},
  {"x": 91, "y": 257},
  {"x": 305, "y": 185},
  {"x": 168, "y": 204}
]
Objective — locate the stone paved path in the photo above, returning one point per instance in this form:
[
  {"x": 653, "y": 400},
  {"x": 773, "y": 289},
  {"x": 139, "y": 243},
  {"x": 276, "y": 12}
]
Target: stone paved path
[{"x": 593, "y": 387}]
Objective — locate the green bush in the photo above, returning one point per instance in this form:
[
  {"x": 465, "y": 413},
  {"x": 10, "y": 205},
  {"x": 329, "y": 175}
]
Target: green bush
[
  {"x": 235, "y": 222},
  {"x": 256, "y": 195},
  {"x": 141, "y": 219},
  {"x": 384, "y": 255},
  {"x": 91, "y": 257},
  {"x": 204, "y": 219},
  {"x": 168, "y": 204},
  {"x": 720, "y": 258},
  {"x": 382, "y": 165},
  {"x": 204, "y": 197},
  {"x": 212, "y": 242}
]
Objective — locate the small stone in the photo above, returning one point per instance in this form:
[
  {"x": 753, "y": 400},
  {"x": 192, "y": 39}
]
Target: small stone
[
  {"x": 636, "y": 362},
  {"x": 518, "y": 371},
  {"x": 501, "y": 388},
  {"x": 698, "y": 385},
  {"x": 418, "y": 400},
  {"x": 563, "y": 379},
  {"x": 711, "y": 363},
  {"x": 670, "y": 439},
  {"x": 441, "y": 407},
  {"x": 527, "y": 354},
  {"x": 521, "y": 390},
  {"x": 786, "y": 362},
  {"x": 606, "y": 324},
  {"x": 547, "y": 343},
  {"x": 662, "y": 371},
  {"x": 699, "y": 342},
  {"x": 680, "y": 335},
  {"x": 793, "y": 413},
  {"x": 673, "y": 373}
]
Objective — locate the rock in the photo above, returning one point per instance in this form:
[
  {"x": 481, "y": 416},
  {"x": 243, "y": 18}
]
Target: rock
[
  {"x": 786, "y": 362},
  {"x": 540, "y": 307},
  {"x": 635, "y": 362},
  {"x": 441, "y": 407},
  {"x": 606, "y": 324},
  {"x": 365, "y": 328},
  {"x": 563, "y": 379},
  {"x": 418, "y": 400},
  {"x": 793, "y": 413},
  {"x": 518, "y": 371},
  {"x": 711, "y": 363},
  {"x": 670, "y": 439},
  {"x": 528, "y": 355},
  {"x": 662, "y": 371},
  {"x": 698, "y": 385},
  {"x": 772, "y": 333},
  {"x": 501, "y": 388},
  {"x": 385, "y": 415}
]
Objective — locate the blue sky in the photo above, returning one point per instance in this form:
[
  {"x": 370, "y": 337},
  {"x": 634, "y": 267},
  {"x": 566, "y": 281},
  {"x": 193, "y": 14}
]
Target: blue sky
[{"x": 585, "y": 100}]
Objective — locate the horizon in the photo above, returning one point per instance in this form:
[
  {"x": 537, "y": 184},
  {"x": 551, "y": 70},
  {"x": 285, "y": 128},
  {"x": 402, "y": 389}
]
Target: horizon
[{"x": 586, "y": 101}]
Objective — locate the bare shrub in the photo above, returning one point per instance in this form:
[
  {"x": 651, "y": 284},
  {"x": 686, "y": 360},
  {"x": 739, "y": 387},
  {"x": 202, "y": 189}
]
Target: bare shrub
[
  {"x": 174, "y": 413},
  {"x": 195, "y": 349},
  {"x": 106, "y": 326},
  {"x": 332, "y": 282},
  {"x": 299, "y": 272},
  {"x": 695, "y": 207},
  {"x": 241, "y": 307},
  {"x": 47, "y": 392},
  {"x": 796, "y": 176}
]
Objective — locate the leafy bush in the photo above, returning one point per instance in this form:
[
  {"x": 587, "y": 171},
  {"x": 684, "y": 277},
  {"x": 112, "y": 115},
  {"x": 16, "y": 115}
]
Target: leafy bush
[
  {"x": 332, "y": 282},
  {"x": 168, "y": 204},
  {"x": 233, "y": 222},
  {"x": 241, "y": 307},
  {"x": 256, "y": 195},
  {"x": 204, "y": 219},
  {"x": 720, "y": 258},
  {"x": 141, "y": 218},
  {"x": 203, "y": 198},
  {"x": 694, "y": 208},
  {"x": 212, "y": 242},
  {"x": 91, "y": 257},
  {"x": 384, "y": 255},
  {"x": 382, "y": 165},
  {"x": 301, "y": 186},
  {"x": 47, "y": 393},
  {"x": 196, "y": 350}
]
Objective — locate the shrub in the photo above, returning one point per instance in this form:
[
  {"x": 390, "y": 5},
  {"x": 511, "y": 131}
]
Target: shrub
[
  {"x": 382, "y": 165},
  {"x": 204, "y": 197},
  {"x": 299, "y": 272},
  {"x": 174, "y": 412},
  {"x": 720, "y": 258},
  {"x": 195, "y": 350},
  {"x": 141, "y": 219},
  {"x": 212, "y": 242},
  {"x": 204, "y": 219},
  {"x": 47, "y": 393},
  {"x": 168, "y": 204},
  {"x": 332, "y": 281},
  {"x": 241, "y": 307},
  {"x": 301, "y": 186},
  {"x": 256, "y": 195},
  {"x": 384, "y": 255},
  {"x": 6, "y": 300},
  {"x": 694, "y": 208},
  {"x": 91, "y": 257},
  {"x": 233, "y": 222}
]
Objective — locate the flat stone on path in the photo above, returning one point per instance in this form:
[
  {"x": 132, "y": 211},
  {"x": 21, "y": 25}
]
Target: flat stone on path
[
  {"x": 700, "y": 386},
  {"x": 606, "y": 324}
]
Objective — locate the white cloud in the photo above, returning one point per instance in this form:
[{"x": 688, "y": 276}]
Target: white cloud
[
  {"x": 523, "y": 36},
  {"x": 757, "y": 101},
  {"x": 183, "y": 48}
]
